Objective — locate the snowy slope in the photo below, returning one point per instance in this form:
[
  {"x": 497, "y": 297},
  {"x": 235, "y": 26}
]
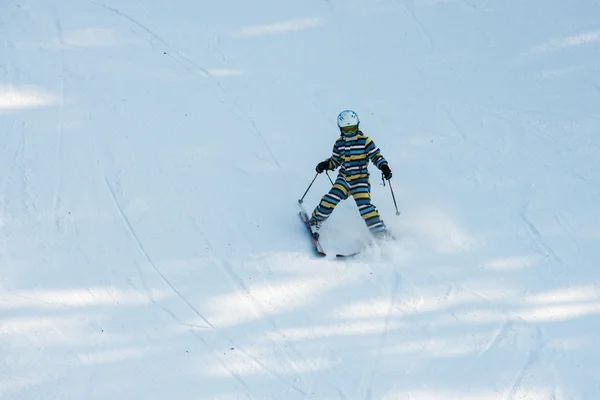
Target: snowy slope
[{"x": 151, "y": 157}]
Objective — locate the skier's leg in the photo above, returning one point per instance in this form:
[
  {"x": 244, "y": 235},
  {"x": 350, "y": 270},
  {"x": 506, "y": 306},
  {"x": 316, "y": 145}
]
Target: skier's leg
[
  {"x": 361, "y": 192},
  {"x": 337, "y": 193}
]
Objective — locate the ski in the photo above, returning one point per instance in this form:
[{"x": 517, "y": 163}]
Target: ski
[
  {"x": 347, "y": 255},
  {"x": 315, "y": 241}
]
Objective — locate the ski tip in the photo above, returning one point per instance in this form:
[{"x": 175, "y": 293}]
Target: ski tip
[{"x": 347, "y": 255}]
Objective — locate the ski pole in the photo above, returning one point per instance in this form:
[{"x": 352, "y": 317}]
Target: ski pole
[
  {"x": 394, "y": 197},
  {"x": 313, "y": 181},
  {"x": 329, "y": 177}
]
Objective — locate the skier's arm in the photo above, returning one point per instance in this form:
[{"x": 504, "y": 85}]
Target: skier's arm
[
  {"x": 335, "y": 159},
  {"x": 331, "y": 163},
  {"x": 377, "y": 158},
  {"x": 374, "y": 154}
]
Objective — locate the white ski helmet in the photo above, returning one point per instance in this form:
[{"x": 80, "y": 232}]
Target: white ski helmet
[{"x": 347, "y": 118}]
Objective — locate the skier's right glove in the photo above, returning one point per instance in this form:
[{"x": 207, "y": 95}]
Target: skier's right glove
[{"x": 322, "y": 166}]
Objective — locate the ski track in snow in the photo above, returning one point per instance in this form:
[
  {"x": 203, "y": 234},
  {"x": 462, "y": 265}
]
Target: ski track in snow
[
  {"x": 255, "y": 128},
  {"x": 410, "y": 11},
  {"x": 569, "y": 232},
  {"x": 193, "y": 330},
  {"x": 454, "y": 122},
  {"x": 245, "y": 292},
  {"x": 179, "y": 58},
  {"x": 182, "y": 60},
  {"x": 29, "y": 204},
  {"x": 543, "y": 247},
  {"x": 223, "y": 363},
  {"x": 497, "y": 338},
  {"x": 142, "y": 249},
  {"x": 531, "y": 360},
  {"x": 61, "y": 117}
]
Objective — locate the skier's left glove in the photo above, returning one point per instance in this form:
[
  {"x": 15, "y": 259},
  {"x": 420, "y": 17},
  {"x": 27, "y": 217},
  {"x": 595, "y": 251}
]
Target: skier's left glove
[{"x": 386, "y": 171}]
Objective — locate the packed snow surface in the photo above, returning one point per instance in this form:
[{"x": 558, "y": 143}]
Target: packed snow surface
[{"x": 152, "y": 154}]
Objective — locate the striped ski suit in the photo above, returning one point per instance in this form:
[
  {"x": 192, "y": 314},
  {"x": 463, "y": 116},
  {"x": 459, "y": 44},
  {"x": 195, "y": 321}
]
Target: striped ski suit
[{"x": 352, "y": 156}]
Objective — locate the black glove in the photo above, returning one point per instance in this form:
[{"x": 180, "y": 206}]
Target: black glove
[
  {"x": 386, "y": 171},
  {"x": 322, "y": 166}
]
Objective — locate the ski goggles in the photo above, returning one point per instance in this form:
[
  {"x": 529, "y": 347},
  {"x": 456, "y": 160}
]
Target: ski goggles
[{"x": 349, "y": 129}]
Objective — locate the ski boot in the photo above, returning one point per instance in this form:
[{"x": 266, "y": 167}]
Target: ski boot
[
  {"x": 314, "y": 226},
  {"x": 383, "y": 234}
]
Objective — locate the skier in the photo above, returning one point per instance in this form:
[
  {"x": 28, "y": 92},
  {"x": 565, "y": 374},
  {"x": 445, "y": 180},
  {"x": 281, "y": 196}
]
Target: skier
[{"x": 352, "y": 152}]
